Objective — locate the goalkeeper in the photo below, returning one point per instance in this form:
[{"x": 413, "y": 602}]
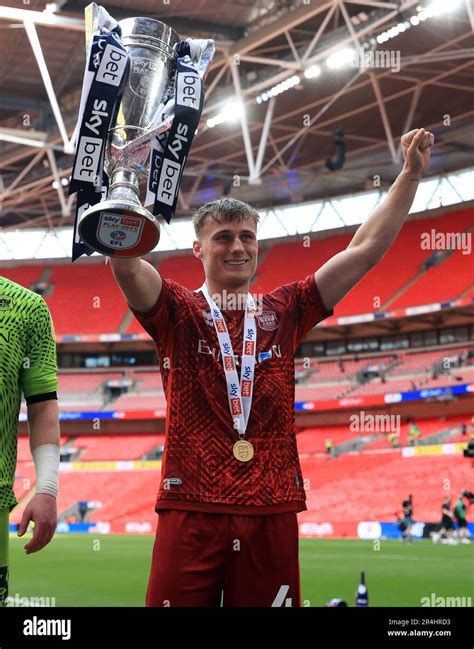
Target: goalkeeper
[{"x": 28, "y": 365}]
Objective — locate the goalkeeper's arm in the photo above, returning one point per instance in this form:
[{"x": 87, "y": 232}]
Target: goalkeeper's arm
[{"x": 43, "y": 423}]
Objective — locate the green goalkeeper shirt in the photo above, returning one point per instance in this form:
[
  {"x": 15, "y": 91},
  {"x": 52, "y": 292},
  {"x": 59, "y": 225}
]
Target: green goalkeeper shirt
[{"x": 28, "y": 365}]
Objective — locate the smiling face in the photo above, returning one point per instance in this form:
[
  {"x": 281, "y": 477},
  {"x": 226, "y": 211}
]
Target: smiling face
[{"x": 229, "y": 252}]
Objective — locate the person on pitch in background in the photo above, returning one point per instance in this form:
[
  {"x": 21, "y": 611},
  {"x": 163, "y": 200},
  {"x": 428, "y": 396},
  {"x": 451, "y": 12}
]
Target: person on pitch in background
[
  {"x": 231, "y": 482},
  {"x": 28, "y": 365},
  {"x": 460, "y": 514},
  {"x": 446, "y": 527},
  {"x": 407, "y": 506}
]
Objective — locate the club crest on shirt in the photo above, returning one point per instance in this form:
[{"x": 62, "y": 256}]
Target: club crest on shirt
[
  {"x": 268, "y": 320},
  {"x": 6, "y": 302}
]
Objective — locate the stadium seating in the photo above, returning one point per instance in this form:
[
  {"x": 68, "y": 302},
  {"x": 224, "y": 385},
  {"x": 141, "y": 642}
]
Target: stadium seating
[
  {"x": 140, "y": 487},
  {"x": 24, "y": 481},
  {"x": 111, "y": 488},
  {"x": 148, "y": 382},
  {"x": 419, "y": 362},
  {"x": 313, "y": 440},
  {"x": 324, "y": 380},
  {"x": 355, "y": 486},
  {"x": 85, "y": 299},
  {"x": 115, "y": 447},
  {"x": 24, "y": 453},
  {"x": 88, "y": 283},
  {"x": 320, "y": 393},
  {"x": 441, "y": 283},
  {"x": 427, "y": 427},
  {"x": 387, "y": 278},
  {"x": 138, "y": 402},
  {"x": 371, "y": 487},
  {"x": 85, "y": 382},
  {"x": 25, "y": 275}
]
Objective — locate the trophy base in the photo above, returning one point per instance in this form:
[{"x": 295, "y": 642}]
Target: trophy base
[{"x": 119, "y": 229}]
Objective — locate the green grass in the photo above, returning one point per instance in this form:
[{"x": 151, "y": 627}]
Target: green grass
[{"x": 83, "y": 570}]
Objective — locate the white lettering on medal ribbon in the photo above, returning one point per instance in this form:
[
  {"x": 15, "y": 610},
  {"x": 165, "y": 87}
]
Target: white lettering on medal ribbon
[{"x": 239, "y": 392}]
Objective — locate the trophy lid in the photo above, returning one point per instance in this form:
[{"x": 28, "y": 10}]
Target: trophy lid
[{"x": 149, "y": 32}]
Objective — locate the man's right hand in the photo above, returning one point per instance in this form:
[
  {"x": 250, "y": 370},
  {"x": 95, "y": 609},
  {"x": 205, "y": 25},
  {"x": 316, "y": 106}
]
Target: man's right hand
[
  {"x": 139, "y": 281},
  {"x": 42, "y": 511}
]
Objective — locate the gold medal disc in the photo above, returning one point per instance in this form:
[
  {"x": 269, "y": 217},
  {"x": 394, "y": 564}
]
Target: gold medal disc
[{"x": 243, "y": 450}]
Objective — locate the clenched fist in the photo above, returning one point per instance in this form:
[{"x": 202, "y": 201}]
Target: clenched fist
[{"x": 416, "y": 145}]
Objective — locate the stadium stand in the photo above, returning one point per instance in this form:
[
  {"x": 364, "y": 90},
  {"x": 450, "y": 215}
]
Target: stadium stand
[
  {"x": 369, "y": 487},
  {"x": 148, "y": 382},
  {"x": 107, "y": 487},
  {"x": 138, "y": 402},
  {"x": 85, "y": 382},
  {"x": 313, "y": 440},
  {"x": 391, "y": 282},
  {"x": 24, "y": 481},
  {"x": 115, "y": 447},
  {"x": 355, "y": 486},
  {"x": 93, "y": 291},
  {"x": 324, "y": 380},
  {"x": 24, "y": 454},
  {"x": 25, "y": 275},
  {"x": 275, "y": 270},
  {"x": 442, "y": 283}
]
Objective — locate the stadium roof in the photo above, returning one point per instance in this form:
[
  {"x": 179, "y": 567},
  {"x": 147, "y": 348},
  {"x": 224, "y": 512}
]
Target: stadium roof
[{"x": 277, "y": 154}]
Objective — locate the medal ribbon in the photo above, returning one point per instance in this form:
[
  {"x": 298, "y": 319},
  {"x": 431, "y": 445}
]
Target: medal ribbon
[{"x": 239, "y": 392}]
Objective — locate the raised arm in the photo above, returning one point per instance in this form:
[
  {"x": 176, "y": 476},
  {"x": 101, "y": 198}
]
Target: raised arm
[
  {"x": 374, "y": 237},
  {"x": 139, "y": 282}
]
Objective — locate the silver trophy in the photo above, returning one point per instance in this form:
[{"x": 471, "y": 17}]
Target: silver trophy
[{"x": 120, "y": 225}]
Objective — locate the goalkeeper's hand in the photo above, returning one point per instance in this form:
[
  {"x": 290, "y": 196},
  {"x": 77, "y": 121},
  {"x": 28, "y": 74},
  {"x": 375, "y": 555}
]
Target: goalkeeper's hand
[{"x": 41, "y": 510}]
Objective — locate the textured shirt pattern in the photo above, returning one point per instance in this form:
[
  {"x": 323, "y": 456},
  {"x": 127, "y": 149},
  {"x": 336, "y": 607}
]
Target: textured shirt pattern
[
  {"x": 28, "y": 365},
  {"x": 199, "y": 470}
]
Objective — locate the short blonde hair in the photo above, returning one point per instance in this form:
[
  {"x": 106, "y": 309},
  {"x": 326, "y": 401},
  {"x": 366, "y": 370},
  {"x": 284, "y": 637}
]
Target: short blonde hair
[{"x": 224, "y": 209}]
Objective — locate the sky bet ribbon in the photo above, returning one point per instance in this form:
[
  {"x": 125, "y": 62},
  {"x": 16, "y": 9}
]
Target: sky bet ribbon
[
  {"x": 169, "y": 153},
  {"x": 106, "y": 69}
]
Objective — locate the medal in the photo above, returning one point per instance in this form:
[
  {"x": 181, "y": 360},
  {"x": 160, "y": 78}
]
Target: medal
[
  {"x": 239, "y": 391},
  {"x": 243, "y": 450}
]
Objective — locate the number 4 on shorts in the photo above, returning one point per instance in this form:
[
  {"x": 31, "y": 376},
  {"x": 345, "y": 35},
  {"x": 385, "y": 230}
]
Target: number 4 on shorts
[{"x": 280, "y": 597}]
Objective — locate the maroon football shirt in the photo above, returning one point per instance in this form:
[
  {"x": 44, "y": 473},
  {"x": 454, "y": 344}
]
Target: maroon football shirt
[{"x": 199, "y": 470}]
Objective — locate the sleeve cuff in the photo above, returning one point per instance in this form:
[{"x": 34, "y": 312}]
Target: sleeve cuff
[
  {"x": 158, "y": 303},
  {"x": 318, "y": 300},
  {"x": 36, "y": 398}
]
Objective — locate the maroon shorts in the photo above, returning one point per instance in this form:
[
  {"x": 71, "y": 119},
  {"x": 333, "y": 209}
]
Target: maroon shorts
[{"x": 202, "y": 559}]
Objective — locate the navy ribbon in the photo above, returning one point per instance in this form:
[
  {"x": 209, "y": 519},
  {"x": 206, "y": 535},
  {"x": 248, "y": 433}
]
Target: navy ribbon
[
  {"x": 167, "y": 167},
  {"x": 109, "y": 59}
]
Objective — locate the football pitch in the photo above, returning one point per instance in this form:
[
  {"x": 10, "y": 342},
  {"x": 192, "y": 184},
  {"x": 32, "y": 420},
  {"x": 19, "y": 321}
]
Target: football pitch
[{"x": 94, "y": 570}]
